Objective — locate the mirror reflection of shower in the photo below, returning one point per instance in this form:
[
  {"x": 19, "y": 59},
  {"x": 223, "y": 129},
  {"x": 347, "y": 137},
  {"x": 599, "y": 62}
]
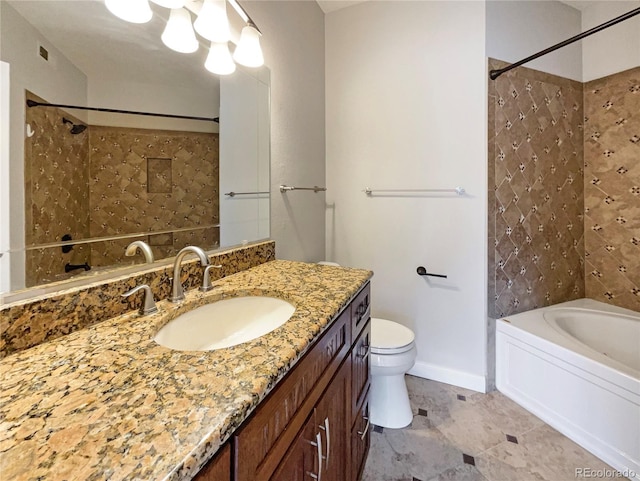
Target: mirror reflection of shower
[{"x": 75, "y": 128}]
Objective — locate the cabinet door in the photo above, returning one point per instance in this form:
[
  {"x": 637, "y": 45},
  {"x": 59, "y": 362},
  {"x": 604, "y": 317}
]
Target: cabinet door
[
  {"x": 263, "y": 441},
  {"x": 333, "y": 421},
  {"x": 360, "y": 364},
  {"x": 219, "y": 468},
  {"x": 303, "y": 459},
  {"x": 360, "y": 441}
]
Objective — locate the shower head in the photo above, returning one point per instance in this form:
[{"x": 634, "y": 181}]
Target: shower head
[
  {"x": 78, "y": 129},
  {"x": 75, "y": 128}
]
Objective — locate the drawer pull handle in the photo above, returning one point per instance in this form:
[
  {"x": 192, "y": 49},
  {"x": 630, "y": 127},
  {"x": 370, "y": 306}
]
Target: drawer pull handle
[
  {"x": 362, "y": 313},
  {"x": 366, "y": 428},
  {"x": 327, "y": 437},
  {"x": 317, "y": 444},
  {"x": 364, "y": 351}
]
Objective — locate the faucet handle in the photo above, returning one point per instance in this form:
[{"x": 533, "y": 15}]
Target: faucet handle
[
  {"x": 206, "y": 278},
  {"x": 149, "y": 306}
]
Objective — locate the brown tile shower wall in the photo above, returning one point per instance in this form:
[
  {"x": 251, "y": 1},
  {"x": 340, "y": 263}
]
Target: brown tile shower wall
[
  {"x": 28, "y": 323},
  {"x": 612, "y": 189},
  {"x": 151, "y": 180},
  {"x": 536, "y": 191},
  {"x": 56, "y": 192},
  {"x": 108, "y": 181}
]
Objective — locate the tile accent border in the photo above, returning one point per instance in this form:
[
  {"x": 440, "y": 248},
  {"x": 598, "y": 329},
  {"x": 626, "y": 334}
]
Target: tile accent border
[{"x": 24, "y": 324}]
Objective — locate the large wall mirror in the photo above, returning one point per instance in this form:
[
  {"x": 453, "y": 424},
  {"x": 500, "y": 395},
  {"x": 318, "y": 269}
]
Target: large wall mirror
[{"x": 85, "y": 184}]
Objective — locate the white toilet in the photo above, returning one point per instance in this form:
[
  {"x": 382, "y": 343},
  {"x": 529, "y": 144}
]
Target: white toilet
[{"x": 393, "y": 353}]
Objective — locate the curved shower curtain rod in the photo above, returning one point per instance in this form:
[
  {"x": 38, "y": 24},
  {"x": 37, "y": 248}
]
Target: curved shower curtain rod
[
  {"x": 33, "y": 103},
  {"x": 494, "y": 74}
]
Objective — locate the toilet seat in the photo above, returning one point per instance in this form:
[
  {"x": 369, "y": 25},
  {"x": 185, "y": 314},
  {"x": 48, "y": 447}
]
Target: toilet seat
[{"x": 388, "y": 337}]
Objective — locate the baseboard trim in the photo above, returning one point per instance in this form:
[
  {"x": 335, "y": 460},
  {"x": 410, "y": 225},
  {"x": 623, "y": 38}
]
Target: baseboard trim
[{"x": 449, "y": 376}]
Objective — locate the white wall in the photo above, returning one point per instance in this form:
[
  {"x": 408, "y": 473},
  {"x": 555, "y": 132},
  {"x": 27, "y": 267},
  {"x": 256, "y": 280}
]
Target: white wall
[
  {"x": 406, "y": 108},
  {"x": 293, "y": 45},
  {"x": 5, "y": 268},
  {"x": 244, "y": 159},
  {"x": 518, "y": 29},
  {"x": 57, "y": 81},
  {"x": 615, "y": 49},
  {"x": 117, "y": 92}
]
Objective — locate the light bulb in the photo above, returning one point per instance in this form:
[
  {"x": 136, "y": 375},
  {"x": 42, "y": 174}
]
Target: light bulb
[
  {"x": 170, "y": 3},
  {"x": 134, "y": 11},
  {"x": 178, "y": 35},
  {"x": 212, "y": 22},
  {"x": 248, "y": 51},
  {"x": 219, "y": 60}
]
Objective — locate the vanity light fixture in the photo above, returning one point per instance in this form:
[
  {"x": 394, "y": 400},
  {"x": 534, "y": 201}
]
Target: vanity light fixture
[
  {"x": 219, "y": 60},
  {"x": 178, "y": 35},
  {"x": 134, "y": 11},
  {"x": 248, "y": 51},
  {"x": 211, "y": 23},
  {"x": 170, "y": 3}
]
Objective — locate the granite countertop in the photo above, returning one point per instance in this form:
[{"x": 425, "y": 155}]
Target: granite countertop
[{"x": 107, "y": 402}]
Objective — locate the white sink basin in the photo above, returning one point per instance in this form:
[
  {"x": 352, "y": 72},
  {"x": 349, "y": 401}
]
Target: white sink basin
[{"x": 225, "y": 323}]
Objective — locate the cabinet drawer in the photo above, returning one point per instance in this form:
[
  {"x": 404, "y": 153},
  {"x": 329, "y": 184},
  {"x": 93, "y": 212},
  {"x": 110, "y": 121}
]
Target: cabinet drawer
[
  {"x": 360, "y": 310},
  {"x": 360, "y": 440},
  {"x": 360, "y": 369},
  {"x": 261, "y": 443}
]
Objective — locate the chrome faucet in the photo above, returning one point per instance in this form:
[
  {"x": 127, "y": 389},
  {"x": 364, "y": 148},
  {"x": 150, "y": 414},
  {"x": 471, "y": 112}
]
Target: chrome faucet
[
  {"x": 177, "y": 293},
  {"x": 149, "y": 305},
  {"x": 206, "y": 278},
  {"x": 144, "y": 248}
]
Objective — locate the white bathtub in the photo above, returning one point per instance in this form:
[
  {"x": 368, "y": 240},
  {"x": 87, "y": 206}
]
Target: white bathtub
[{"x": 576, "y": 365}]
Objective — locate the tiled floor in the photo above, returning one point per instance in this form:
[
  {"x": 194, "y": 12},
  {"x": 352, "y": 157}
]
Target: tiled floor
[{"x": 461, "y": 435}]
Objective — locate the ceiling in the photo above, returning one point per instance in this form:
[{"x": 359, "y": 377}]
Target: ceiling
[
  {"x": 101, "y": 45},
  {"x": 332, "y": 5},
  {"x": 579, "y": 4}
]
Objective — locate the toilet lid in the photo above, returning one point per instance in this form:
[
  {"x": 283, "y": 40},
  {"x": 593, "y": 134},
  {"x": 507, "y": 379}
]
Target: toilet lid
[{"x": 388, "y": 337}]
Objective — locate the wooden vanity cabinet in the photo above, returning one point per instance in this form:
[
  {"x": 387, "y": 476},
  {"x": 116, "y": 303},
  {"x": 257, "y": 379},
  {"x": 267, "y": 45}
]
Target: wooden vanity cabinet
[
  {"x": 301, "y": 460},
  {"x": 262, "y": 442},
  {"x": 360, "y": 310},
  {"x": 360, "y": 441},
  {"x": 219, "y": 468},
  {"x": 321, "y": 449},
  {"x": 333, "y": 421},
  {"x": 307, "y": 426},
  {"x": 360, "y": 383},
  {"x": 361, "y": 369}
]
